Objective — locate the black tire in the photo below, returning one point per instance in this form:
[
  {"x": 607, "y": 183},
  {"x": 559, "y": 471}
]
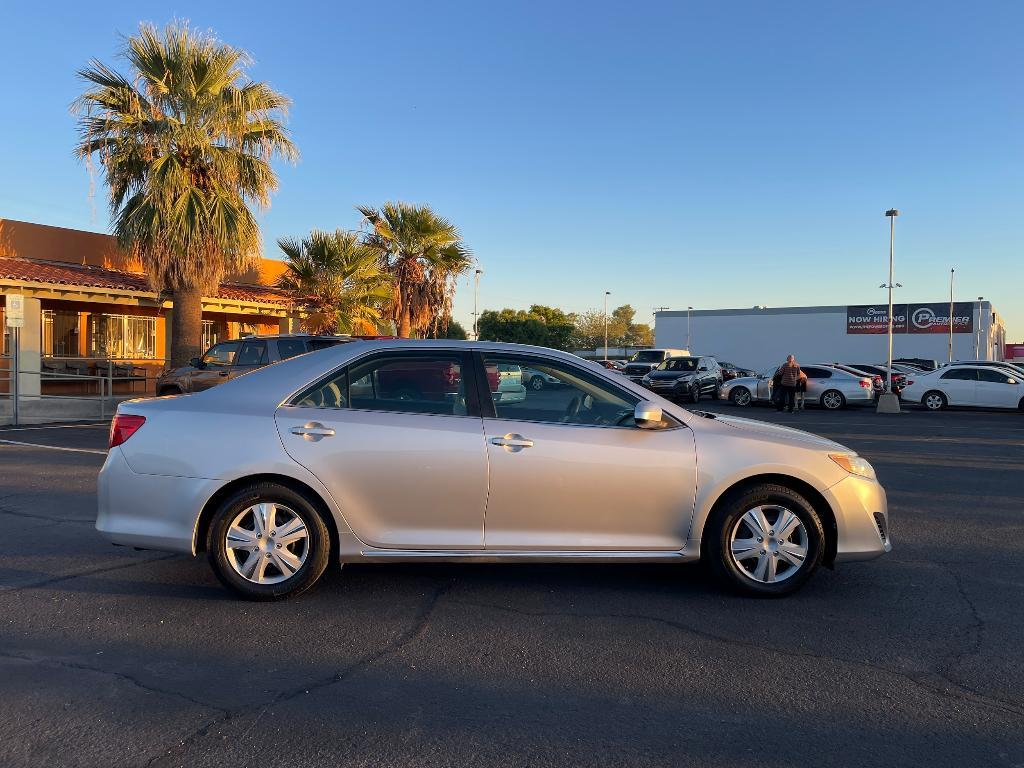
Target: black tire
[
  {"x": 934, "y": 400},
  {"x": 536, "y": 383},
  {"x": 832, "y": 400},
  {"x": 318, "y": 543},
  {"x": 695, "y": 394},
  {"x": 165, "y": 391},
  {"x": 715, "y": 394},
  {"x": 726, "y": 517},
  {"x": 741, "y": 396}
]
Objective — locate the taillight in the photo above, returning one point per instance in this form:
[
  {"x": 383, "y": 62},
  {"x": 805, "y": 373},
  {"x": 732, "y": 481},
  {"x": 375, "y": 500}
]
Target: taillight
[
  {"x": 866, "y": 383},
  {"x": 124, "y": 426}
]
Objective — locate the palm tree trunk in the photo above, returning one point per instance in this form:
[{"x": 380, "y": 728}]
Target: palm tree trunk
[
  {"x": 186, "y": 325},
  {"x": 404, "y": 325}
]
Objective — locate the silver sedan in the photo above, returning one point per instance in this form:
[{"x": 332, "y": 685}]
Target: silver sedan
[
  {"x": 386, "y": 451},
  {"x": 831, "y": 388}
]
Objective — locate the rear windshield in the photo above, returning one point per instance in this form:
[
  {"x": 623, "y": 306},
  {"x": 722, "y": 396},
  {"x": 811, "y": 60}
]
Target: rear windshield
[{"x": 647, "y": 356}]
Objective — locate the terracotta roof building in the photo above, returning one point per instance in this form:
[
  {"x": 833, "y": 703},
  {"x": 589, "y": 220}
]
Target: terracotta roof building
[{"x": 87, "y": 306}]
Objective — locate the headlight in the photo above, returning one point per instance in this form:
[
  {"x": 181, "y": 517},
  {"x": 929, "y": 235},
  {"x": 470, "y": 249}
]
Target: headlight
[{"x": 853, "y": 464}]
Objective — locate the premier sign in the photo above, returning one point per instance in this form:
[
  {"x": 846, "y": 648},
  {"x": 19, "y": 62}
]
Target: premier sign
[{"x": 910, "y": 318}]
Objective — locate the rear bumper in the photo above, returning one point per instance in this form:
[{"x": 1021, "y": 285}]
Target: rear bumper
[
  {"x": 862, "y": 519},
  {"x": 149, "y": 511}
]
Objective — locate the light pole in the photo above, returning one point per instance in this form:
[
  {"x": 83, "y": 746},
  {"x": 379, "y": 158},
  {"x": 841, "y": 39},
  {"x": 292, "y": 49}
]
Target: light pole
[
  {"x": 888, "y": 402},
  {"x": 688, "y": 311},
  {"x": 476, "y": 304},
  {"x": 951, "y": 315},
  {"x": 606, "y": 295}
]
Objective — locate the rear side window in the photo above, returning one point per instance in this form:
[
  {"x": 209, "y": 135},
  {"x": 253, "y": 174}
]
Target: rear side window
[
  {"x": 817, "y": 373},
  {"x": 961, "y": 374},
  {"x": 994, "y": 376},
  {"x": 290, "y": 347},
  {"x": 415, "y": 383},
  {"x": 252, "y": 353},
  {"x": 315, "y": 344}
]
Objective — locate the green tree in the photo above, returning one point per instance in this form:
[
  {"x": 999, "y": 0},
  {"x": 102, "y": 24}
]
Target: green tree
[
  {"x": 541, "y": 326},
  {"x": 453, "y": 331},
  {"x": 185, "y": 140},
  {"x": 338, "y": 279},
  {"x": 425, "y": 255},
  {"x": 589, "y": 329}
]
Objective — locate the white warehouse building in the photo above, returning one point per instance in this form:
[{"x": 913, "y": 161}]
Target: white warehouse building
[{"x": 762, "y": 336}]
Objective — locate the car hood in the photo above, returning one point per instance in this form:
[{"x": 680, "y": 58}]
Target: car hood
[
  {"x": 670, "y": 375},
  {"x": 174, "y": 372},
  {"x": 782, "y": 434}
]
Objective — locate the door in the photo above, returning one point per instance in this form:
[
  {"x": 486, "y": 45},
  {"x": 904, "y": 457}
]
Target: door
[
  {"x": 216, "y": 366},
  {"x": 570, "y": 471},
  {"x": 996, "y": 389},
  {"x": 819, "y": 380},
  {"x": 252, "y": 354},
  {"x": 396, "y": 438},
  {"x": 959, "y": 385}
]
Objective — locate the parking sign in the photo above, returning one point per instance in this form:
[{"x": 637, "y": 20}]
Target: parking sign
[{"x": 14, "y": 310}]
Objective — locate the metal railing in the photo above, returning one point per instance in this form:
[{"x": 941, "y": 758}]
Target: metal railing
[{"x": 105, "y": 381}]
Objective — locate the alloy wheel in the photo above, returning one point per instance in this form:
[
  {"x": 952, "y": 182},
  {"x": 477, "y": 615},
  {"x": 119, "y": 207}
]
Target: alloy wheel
[
  {"x": 768, "y": 544},
  {"x": 832, "y": 400},
  {"x": 267, "y": 543},
  {"x": 933, "y": 401},
  {"x": 741, "y": 396}
]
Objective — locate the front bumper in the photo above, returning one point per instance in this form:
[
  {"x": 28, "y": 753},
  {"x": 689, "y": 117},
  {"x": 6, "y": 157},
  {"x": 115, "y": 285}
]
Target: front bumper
[
  {"x": 149, "y": 511},
  {"x": 862, "y": 519}
]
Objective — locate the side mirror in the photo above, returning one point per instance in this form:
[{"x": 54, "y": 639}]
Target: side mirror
[
  {"x": 196, "y": 362},
  {"x": 1012, "y": 381},
  {"x": 647, "y": 415}
]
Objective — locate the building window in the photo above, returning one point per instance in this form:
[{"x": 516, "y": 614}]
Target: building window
[
  {"x": 60, "y": 333},
  {"x": 210, "y": 334},
  {"x": 127, "y": 337}
]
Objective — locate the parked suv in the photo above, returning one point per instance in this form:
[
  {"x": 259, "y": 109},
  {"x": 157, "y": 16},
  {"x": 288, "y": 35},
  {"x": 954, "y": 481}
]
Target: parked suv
[
  {"x": 646, "y": 360},
  {"x": 685, "y": 377},
  {"x": 228, "y": 359}
]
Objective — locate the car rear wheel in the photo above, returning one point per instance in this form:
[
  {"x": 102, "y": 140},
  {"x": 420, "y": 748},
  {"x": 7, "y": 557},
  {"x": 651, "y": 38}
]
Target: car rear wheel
[
  {"x": 765, "y": 541},
  {"x": 267, "y": 542},
  {"x": 832, "y": 400},
  {"x": 740, "y": 396},
  {"x": 934, "y": 401}
]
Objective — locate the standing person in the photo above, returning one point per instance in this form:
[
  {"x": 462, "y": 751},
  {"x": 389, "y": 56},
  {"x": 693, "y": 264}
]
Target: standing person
[
  {"x": 801, "y": 392},
  {"x": 789, "y": 374}
]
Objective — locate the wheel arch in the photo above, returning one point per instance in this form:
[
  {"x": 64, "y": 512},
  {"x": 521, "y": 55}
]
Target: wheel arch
[
  {"x": 805, "y": 489},
  {"x": 311, "y": 495}
]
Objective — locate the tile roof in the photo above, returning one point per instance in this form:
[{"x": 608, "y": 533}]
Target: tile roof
[{"x": 98, "y": 277}]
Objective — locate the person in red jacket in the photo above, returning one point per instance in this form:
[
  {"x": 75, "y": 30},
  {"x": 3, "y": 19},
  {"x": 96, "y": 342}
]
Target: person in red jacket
[{"x": 790, "y": 378}]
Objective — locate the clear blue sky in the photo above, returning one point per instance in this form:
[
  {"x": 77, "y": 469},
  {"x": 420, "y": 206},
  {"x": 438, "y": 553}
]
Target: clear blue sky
[{"x": 677, "y": 153}]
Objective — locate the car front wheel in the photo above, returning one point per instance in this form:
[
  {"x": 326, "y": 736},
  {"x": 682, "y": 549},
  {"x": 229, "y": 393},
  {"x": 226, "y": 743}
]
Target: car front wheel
[
  {"x": 740, "y": 396},
  {"x": 833, "y": 400},
  {"x": 765, "y": 541},
  {"x": 267, "y": 542},
  {"x": 934, "y": 401}
]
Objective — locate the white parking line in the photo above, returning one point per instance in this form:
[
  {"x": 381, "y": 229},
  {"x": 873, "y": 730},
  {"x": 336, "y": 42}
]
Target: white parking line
[{"x": 53, "y": 447}]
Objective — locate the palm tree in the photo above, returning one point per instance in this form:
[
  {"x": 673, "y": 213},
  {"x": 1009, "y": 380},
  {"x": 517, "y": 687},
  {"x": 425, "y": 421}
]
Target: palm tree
[
  {"x": 339, "y": 279},
  {"x": 185, "y": 141},
  {"x": 425, "y": 255}
]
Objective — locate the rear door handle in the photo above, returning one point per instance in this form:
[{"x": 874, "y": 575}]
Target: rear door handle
[
  {"x": 313, "y": 431},
  {"x": 513, "y": 442}
]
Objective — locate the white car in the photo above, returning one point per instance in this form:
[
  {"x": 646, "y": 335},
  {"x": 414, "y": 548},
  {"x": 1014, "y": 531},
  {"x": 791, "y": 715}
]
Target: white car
[
  {"x": 969, "y": 385},
  {"x": 395, "y": 450}
]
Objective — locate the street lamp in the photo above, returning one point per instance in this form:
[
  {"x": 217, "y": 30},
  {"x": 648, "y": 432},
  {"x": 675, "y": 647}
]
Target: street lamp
[
  {"x": 606, "y": 295},
  {"x": 688, "y": 350},
  {"x": 887, "y": 401},
  {"x": 951, "y": 271},
  {"x": 476, "y": 303}
]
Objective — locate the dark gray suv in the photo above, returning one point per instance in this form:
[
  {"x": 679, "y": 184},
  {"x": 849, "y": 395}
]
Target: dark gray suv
[{"x": 228, "y": 359}]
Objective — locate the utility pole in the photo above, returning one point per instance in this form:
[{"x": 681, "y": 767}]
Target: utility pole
[
  {"x": 951, "y": 315},
  {"x": 606, "y": 295},
  {"x": 887, "y": 401},
  {"x": 476, "y": 304},
  {"x": 688, "y": 311}
]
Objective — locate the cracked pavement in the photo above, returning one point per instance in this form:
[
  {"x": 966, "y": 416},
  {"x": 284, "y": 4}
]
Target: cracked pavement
[{"x": 113, "y": 657}]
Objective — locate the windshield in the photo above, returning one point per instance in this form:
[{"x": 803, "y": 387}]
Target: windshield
[
  {"x": 647, "y": 356},
  {"x": 679, "y": 364}
]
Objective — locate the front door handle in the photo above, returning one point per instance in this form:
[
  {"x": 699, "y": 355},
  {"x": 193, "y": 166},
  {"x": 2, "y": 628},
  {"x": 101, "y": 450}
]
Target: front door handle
[
  {"x": 313, "y": 431},
  {"x": 512, "y": 442}
]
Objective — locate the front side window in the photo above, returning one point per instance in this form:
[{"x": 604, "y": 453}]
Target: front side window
[
  {"x": 571, "y": 396},
  {"x": 221, "y": 355},
  {"x": 407, "y": 383},
  {"x": 817, "y": 373},
  {"x": 993, "y": 376}
]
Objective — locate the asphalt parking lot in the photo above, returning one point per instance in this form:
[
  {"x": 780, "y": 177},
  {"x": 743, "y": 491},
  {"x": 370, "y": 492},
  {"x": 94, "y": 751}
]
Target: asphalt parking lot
[{"x": 113, "y": 657}]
